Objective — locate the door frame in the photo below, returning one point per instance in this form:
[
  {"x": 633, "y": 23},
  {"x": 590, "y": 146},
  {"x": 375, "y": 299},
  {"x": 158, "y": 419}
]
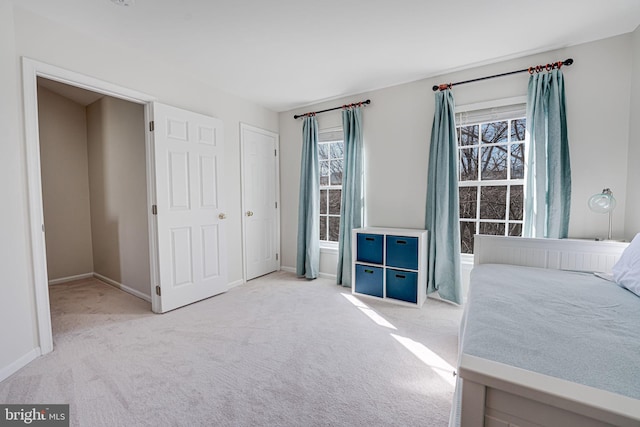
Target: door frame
[
  {"x": 31, "y": 70},
  {"x": 243, "y": 127}
]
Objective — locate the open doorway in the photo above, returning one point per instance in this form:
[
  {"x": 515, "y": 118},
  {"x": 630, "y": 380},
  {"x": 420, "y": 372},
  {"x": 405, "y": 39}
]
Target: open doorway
[
  {"x": 32, "y": 70},
  {"x": 94, "y": 196},
  {"x": 93, "y": 168}
]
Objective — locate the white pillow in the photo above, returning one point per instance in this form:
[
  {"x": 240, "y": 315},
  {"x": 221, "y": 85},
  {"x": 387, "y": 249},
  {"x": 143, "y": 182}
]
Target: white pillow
[{"x": 626, "y": 272}]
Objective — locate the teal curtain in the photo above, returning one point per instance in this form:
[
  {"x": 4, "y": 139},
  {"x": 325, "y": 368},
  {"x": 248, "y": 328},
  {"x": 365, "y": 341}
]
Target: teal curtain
[
  {"x": 308, "y": 261},
  {"x": 443, "y": 216},
  {"x": 548, "y": 180},
  {"x": 352, "y": 190}
]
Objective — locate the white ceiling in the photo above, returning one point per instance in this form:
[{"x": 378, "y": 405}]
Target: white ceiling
[{"x": 284, "y": 54}]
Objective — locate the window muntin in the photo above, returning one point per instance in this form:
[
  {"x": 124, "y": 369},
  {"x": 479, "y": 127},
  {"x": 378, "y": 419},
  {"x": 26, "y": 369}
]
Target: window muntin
[
  {"x": 491, "y": 174},
  {"x": 330, "y": 157}
]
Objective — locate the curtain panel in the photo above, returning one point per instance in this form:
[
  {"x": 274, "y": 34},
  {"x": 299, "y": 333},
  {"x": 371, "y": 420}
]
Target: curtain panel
[
  {"x": 547, "y": 200},
  {"x": 308, "y": 256},
  {"x": 351, "y": 213},
  {"x": 442, "y": 214}
]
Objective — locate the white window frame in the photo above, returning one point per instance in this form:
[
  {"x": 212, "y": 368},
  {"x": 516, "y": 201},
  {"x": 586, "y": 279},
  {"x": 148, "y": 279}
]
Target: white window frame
[
  {"x": 328, "y": 246},
  {"x": 479, "y": 183}
]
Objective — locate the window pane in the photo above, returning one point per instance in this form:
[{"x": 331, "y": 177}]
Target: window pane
[
  {"x": 515, "y": 230},
  {"x": 491, "y": 152},
  {"x": 467, "y": 231},
  {"x": 336, "y": 172},
  {"x": 331, "y": 169},
  {"x": 324, "y": 168},
  {"x": 468, "y": 135},
  {"x": 495, "y": 132},
  {"x": 334, "y": 228},
  {"x": 468, "y": 202},
  {"x": 468, "y": 164},
  {"x": 323, "y": 228},
  {"x": 337, "y": 151},
  {"x": 517, "y": 161},
  {"x": 323, "y": 151},
  {"x": 494, "y": 162},
  {"x": 324, "y": 173},
  {"x": 493, "y": 228},
  {"x": 493, "y": 202},
  {"x": 518, "y": 129},
  {"x": 334, "y": 202},
  {"x": 323, "y": 202},
  {"x": 516, "y": 202}
]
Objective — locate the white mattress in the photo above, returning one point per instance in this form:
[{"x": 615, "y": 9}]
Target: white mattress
[{"x": 570, "y": 325}]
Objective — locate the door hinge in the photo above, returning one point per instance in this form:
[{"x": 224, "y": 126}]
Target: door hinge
[
  {"x": 158, "y": 291},
  {"x": 276, "y": 257},
  {"x": 275, "y": 153},
  {"x": 154, "y": 209},
  {"x": 276, "y": 205},
  {"x": 151, "y": 126}
]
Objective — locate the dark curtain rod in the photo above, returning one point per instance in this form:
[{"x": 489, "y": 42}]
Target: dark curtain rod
[
  {"x": 530, "y": 70},
  {"x": 313, "y": 113}
]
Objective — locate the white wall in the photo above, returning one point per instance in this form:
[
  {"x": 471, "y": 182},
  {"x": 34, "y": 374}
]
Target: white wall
[
  {"x": 65, "y": 185},
  {"x": 118, "y": 183},
  {"x": 25, "y": 34},
  {"x": 632, "y": 217},
  {"x": 397, "y": 129},
  {"x": 17, "y": 317}
]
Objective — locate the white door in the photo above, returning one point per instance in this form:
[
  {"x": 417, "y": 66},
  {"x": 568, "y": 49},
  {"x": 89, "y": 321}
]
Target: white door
[
  {"x": 188, "y": 157},
  {"x": 261, "y": 219}
]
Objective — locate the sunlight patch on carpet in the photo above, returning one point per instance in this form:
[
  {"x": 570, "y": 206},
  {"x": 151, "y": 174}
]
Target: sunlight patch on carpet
[
  {"x": 369, "y": 312},
  {"x": 432, "y": 360}
]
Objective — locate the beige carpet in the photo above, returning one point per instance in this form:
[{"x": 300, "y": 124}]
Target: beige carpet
[{"x": 277, "y": 351}]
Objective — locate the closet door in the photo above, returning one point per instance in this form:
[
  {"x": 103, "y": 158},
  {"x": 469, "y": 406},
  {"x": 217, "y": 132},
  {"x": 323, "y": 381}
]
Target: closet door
[
  {"x": 190, "y": 221},
  {"x": 261, "y": 218}
]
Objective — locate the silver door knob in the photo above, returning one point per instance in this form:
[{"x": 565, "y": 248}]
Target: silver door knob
[
  {"x": 249, "y": 213},
  {"x": 222, "y": 216}
]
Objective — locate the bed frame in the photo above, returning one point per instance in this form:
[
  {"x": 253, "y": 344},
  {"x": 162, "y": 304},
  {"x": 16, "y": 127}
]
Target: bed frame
[{"x": 499, "y": 395}]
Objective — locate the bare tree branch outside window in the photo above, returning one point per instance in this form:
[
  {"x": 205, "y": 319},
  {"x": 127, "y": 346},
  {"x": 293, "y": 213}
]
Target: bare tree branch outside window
[
  {"x": 491, "y": 178},
  {"x": 330, "y": 156}
]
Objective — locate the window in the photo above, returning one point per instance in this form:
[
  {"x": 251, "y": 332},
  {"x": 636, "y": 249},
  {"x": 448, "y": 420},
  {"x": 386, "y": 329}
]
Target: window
[
  {"x": 491, "y": 147},
  {"x": 330, "y": 156}
]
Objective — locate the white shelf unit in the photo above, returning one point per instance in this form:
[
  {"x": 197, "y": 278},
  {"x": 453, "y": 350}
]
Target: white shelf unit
[{"x": 390, "y": 264}]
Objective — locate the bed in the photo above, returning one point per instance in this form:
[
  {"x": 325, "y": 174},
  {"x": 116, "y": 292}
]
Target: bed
[{"x": 546, "y": 342}]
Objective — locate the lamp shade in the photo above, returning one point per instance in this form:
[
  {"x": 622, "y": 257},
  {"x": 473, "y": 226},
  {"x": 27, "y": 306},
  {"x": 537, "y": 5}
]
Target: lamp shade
[{"x": 602, "y": 202}]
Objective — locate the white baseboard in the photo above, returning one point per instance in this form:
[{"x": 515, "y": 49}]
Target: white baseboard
[
  {"x": 122, "y": 287},
  {"x": 70, "y": 278},
  {"x": 321, "y": 275},
  {"x": 23, "y": 361}
]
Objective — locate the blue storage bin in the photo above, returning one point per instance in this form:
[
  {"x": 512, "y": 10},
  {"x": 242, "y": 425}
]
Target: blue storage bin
[
  {"x": 402, "y": 252},
  {"x": 369, "y": 280},
  {"x": 370, "y": 248},
  {"x": 402, "y": 285}
]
